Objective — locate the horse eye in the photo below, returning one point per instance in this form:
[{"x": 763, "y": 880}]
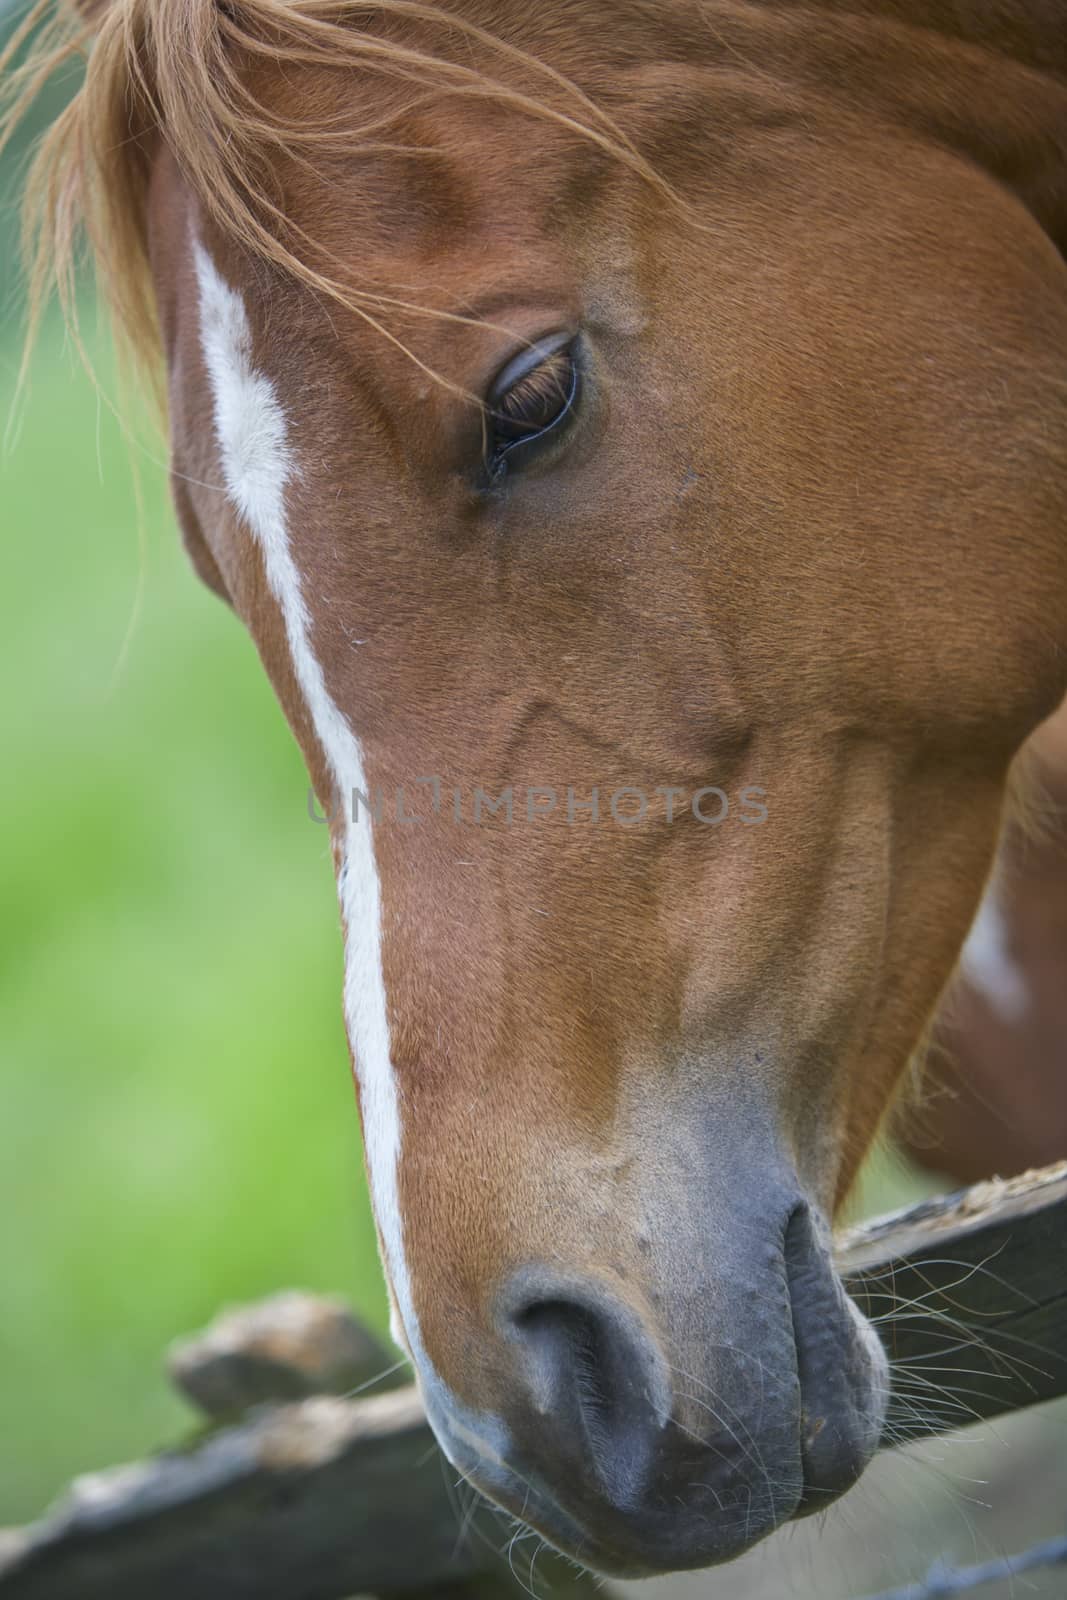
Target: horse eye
[{"x": 531, "y": 397}]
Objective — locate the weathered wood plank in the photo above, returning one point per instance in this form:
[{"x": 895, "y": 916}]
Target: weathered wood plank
[
  {"x": 288, "y": 1347},
  {"x": 971, "y": 1293},
  {"x": 329, "y": 1497},
  {"x": 316, "y": 1500}
]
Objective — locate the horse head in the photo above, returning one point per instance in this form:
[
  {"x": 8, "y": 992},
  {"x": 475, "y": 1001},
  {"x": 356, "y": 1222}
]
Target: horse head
[{"x": 634, "y": 438}]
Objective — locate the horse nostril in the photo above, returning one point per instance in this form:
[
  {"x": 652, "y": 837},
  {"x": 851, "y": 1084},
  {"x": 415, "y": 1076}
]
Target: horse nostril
[
  {"x": 569, "y": 1356},
  {"x": 594, "y": 1378}
]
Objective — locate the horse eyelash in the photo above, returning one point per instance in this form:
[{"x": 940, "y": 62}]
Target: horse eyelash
[{"x": 550, "y": 381}]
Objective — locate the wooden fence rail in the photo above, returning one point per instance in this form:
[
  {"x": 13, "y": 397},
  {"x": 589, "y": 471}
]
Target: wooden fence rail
[{"x": 324, "y": 1497}]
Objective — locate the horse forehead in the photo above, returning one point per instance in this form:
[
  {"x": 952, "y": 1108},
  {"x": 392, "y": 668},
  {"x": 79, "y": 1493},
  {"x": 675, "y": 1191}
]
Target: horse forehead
[
  {"x": 436, "y": 169},
  {"x": 427, "y": 171}
]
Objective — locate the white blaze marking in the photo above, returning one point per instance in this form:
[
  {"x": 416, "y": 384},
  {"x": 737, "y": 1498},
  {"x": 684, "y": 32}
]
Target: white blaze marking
[
  {"x": 988, "y": 964},
  {"x": 257, "y": 464}
]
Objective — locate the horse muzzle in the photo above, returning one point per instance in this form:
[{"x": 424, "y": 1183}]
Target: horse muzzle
[{"x": 643, "y": 1431}]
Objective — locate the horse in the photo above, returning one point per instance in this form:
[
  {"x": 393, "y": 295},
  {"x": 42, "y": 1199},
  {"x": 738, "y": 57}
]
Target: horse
[
  {"x": 634, "y": 438},
  {"x": 995, "y": 1082}
]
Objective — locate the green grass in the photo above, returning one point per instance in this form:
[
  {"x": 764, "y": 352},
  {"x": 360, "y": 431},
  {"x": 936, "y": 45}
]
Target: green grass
[{"x": 177, "y": 1122}]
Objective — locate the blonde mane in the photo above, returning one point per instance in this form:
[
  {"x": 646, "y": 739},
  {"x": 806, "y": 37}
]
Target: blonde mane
[{"x": 177, "y": 71}]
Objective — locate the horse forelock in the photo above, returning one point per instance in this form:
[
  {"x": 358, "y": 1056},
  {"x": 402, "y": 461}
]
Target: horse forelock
[{"x": 200, "y": 80}]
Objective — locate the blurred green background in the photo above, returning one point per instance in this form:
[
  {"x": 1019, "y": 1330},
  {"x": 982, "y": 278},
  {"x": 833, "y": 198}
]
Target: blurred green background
[{"x": 177, "y": 1122}]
